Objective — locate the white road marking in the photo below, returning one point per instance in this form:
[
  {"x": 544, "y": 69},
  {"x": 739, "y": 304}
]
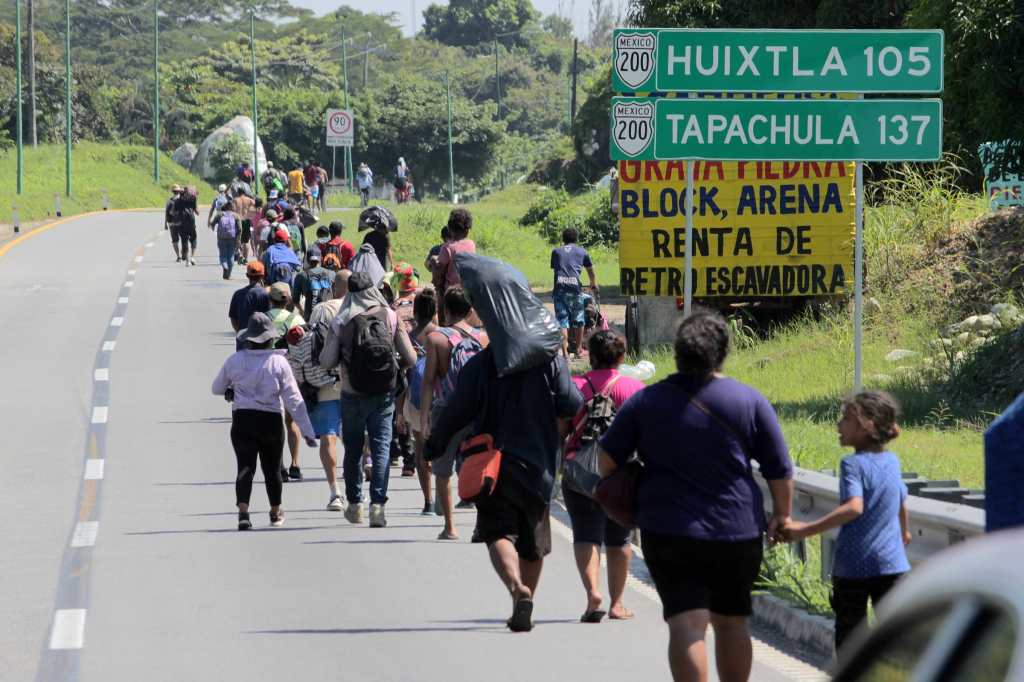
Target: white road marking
[
  {"x": 122, "y": 300},
  {"x": 99, "y": 415},
  {"x": 131, "y": 273},
  {"x": 85, "y": 534},
  {"x": 138, "y": 259},
  {"x": 68, "y": 629},
  {"x": 101, "y": 375},
  {"x": 117, "y": 322},
  {"x": 149, "y": 244},
  {"x": 94, "y": 469},
  {"x": 128, "y": 284},
  {"x": 109, "y": 345}
]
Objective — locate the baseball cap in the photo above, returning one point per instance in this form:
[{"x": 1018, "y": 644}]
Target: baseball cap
[
  {"x": 282, "y": 236},
  {"x": 295, "y": 335},
  {"x": 177, "y": 189},
  {"x": 313, "y": 254},
  {"x": 271, "y": 214},
  {"x": 222, "y": 188},
  {"x": 254, "y": 269},
  {"x": 280, "y": 292}
]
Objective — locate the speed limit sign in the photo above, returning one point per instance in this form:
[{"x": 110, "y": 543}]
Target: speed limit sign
[{"x": 340, "y": 128}]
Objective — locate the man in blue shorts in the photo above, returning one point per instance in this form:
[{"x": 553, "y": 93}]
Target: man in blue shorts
[{"x": 568, "y": 262}]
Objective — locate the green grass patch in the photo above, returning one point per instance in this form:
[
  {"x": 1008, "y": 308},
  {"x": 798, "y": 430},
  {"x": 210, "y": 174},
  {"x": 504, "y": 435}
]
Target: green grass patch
[
  {"x": 125, "y": 172},
  {"x": 496, "y": 231}
]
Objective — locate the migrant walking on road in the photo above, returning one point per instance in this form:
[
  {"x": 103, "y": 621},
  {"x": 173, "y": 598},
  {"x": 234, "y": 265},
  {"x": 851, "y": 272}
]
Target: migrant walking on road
[
  {"x": 285, "y": 319},
  {"x": 425, "y": 317},
  {"x": 320, "y": 387},
  {"x": 252, "y": 298},
  {"x": 368, "y": 348},
  {"x": 604, "y": 392},
  {"x": 227, "y": 228},
  {"x": 257, "y": 380},
  {"x": 699, "y": 510},
  {"x": 460, "y": 222},
  {"x": 404, "y": 284},
  {"x": 514, "y": 412},
  {"x": 364, "y": 181},
  {"x": 568, "y": 262},
  {"x": 186, "y": 212},
  {"x": 172, "y": 221},
  {"x": 872, "y": 517}
]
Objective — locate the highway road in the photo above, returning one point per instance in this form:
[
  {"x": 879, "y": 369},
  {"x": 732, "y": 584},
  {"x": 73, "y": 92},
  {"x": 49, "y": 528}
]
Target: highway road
[{"x": 121, "y": 560}]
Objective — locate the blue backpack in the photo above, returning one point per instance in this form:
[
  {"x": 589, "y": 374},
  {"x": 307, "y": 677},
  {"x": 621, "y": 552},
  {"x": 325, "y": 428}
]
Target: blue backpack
[
  {"x": 416, "y": 380},
  {"x": 319, "y": 288},
  {"x": 281, "y": 271}
]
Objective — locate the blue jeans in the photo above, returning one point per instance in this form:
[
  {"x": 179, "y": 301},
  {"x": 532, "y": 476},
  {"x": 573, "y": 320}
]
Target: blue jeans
[
  {"x": 370, "y": 414},
  {"x": 226, "y": 251}
]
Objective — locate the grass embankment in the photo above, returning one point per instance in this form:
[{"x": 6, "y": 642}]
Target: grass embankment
[
  {"x": 125, "y": 172},
  {"x": 496, "y": 231}
]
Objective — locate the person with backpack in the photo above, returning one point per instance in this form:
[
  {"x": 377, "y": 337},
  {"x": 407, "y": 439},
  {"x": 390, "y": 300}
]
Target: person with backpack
[
  {"x": 223, "y": 197},
  {"x": 321, "y": 387},
  {"x": 285, "y": 320},
  {"x": 404, "y": 284},
  {"x": 314, "y": 285},
  {"x": 187, "y": 211},
  {"x": 337, "y": 253},
  {"x": 447, "y": 350},
  {"x": 369, "y": 348},
  {"x": 258, "y": 381},
  {"x": 171, "y": 219},
  {"x": 227, "y": 227},
  {"x": 460, "y": 222},
  {"x": 604, "y": 391},
  {"x": 424, "y": 308},
  {"x": 296, "y": 235},
  {"x": 364, "y": 181},
  {"x": 252, "y": 298},
  {"x": 280, "y": 262}
]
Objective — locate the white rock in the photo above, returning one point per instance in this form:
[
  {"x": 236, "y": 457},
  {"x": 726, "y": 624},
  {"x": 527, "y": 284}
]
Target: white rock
[
  {"x": 979, "y": 341},
  {"x": 240, "y": 126},
  {"x": 901, "y": 354},
  {"x": 947, "y": 343},
  {"x": 963, "y": 338},
  {"x": 185, "y": 155},
  {"x": 1001, "y": 309},
  {"x": 985, "y": 321},
  {"x": 970, "y": 322}
]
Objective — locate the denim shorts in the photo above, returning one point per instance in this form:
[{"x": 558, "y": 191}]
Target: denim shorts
[
  {"x": 326, "y": 418},
  {"x": 569, "y": 308}
]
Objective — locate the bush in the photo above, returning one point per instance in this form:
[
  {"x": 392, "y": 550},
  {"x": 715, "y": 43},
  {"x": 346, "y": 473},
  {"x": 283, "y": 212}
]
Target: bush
[
  {"x": 590, "y": 214},
  {"x": 547, "y": 201}
]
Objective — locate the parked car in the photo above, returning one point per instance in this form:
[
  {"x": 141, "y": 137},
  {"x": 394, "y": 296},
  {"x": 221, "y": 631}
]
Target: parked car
[{"x": 958, "y": 616}]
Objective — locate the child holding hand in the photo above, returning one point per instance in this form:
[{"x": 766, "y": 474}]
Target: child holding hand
[{"x": 870, "y": 554}]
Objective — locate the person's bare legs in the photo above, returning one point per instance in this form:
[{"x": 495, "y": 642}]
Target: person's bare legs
[
  {"x": 294, "y": 437},
  {"x": 734, "y": 654},
  {"x": 687, "y": 651},
  {"x": 588, "y": 563},
  {"x": 329, "y": 460},
  {"x": 444, "y": 494},
  {"x": 506, "y": 563},
  {"x": 422, "y": 469},
  {"x": 565, "y": 343},
  {"x": 577, "y": 339},
  {"x": 618, "y": 570},
  {"x": 529, "y": 573}
]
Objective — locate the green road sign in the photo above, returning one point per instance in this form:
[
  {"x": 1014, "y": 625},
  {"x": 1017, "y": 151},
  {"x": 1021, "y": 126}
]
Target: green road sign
[
  {"x": 761, "y": 60},
  {"x": 653, "y": 129}
]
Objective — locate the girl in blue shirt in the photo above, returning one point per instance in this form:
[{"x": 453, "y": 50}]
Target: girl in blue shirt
[{"x": 870, "y": 552}]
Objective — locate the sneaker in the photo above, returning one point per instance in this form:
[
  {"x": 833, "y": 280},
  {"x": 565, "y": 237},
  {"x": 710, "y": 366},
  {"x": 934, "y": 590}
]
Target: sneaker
[
  {"x": 354, "y": 512},
  {"x": 284, "y": 474},
  {"x": 243, "y": 521},
  {"x": 178, "y": 259},
  {"x": 192, "y": 261},
  {"x": 407, "y": 473},
  {"x": 377, "y": 519},
  {"x": 464, "y": 504},
  {"x": 294, "y": 473},
  {"x": 335, "y": 504},
  {"x": 428, "y": 509},
  {"x": 276, "y": 520}
]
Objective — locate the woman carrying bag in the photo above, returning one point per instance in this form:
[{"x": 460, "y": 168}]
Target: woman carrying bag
[
  {"x": 604, "y": 391},
  {"x": 257, "y": 380}
]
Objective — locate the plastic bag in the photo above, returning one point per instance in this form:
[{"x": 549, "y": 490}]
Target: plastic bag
[
  {"x": 373, "y": 216},
  {"x": 522, "y": 332}
]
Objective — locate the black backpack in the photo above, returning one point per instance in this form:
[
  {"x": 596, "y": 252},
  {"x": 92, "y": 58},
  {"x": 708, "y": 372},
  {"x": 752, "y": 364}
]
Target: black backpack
[{"x": 372, "y": 368}]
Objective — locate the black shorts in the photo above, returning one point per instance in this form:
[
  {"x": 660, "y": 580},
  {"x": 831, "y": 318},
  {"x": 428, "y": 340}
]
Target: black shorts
[
  {"x": 246, "y": 230},
  {"x": 702, "y": 574},
  {"x": 517, "y": 515},
  {"x": 175, "y": 231},
  {"x": 589, "y": 522}
]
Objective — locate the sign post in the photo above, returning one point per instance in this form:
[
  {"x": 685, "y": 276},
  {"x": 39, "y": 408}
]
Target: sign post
[
  {"x": 340, "y": 128},
  {"x": 799, "y": 130}
]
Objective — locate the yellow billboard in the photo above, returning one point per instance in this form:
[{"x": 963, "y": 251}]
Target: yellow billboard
[{"x": 760, "y": 228}]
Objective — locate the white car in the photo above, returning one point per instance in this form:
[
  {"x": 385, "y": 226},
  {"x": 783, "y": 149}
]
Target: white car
[{"x": 958, "y": 616}]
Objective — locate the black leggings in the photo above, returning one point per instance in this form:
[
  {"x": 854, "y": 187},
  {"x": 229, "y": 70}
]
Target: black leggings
[
  {"x": 850, "y": 601},
  {"x": 187, "y": 234},
  {"x": 255, "y": 432}
]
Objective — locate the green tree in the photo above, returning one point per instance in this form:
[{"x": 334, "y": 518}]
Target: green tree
[
  {"x": 469, "y": 22},
  {"x": 769, "y": 13}
]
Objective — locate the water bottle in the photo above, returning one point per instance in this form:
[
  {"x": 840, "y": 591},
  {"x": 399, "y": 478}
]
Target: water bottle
[{"x": 641, "y": 371}]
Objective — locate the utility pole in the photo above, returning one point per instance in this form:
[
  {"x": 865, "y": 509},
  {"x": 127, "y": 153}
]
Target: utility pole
[
  {"x": 32, "y": 72},
  {"x": 344, "y": 73},
  {"x": 451, "y": 162},
  {"x": 17, "y": 98},
  {"x": 575, "y": 64},
  {"x": 156, "y": 91},
  {"x": 366, "y": 62},
  {"x": 497, "y": 79},
  {"x": 255, "y": 110},
  {"x": 67, "y": 97}
]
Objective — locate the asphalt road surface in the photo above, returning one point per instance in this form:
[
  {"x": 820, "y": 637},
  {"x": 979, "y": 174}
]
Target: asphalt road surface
[{"x": 120, "y": 558}]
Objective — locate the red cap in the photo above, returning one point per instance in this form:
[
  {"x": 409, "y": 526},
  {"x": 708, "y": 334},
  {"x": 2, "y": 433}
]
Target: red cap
[
  {"x": 255, "y": 269},
  {"x": 295, "y": 335},
  {"x": 282, "y": 236}
]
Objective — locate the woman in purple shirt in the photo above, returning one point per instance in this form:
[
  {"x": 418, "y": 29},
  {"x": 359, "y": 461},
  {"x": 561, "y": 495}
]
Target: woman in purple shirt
[
  {"x": 700, "y": 512},
  {"x": 257, "y": 380}
]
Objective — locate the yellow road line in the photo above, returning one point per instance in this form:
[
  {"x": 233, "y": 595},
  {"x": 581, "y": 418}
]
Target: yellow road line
[{"x": 60, "y": 221}]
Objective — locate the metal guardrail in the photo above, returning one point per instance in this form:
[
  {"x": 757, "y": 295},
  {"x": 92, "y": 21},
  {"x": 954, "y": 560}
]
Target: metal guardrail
[{"x": 934, "y": 524}]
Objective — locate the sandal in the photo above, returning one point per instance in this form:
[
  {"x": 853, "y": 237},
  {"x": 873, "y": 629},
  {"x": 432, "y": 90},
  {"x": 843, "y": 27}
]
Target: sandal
[
  {"x": 522, "y": 616},
  {"x": 445, "y": 535},
  {"x": 592, "y": 616}
]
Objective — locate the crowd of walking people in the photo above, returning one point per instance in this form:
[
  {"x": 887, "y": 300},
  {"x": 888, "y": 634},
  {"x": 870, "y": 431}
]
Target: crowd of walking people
[{"x": 468, "y": 380}]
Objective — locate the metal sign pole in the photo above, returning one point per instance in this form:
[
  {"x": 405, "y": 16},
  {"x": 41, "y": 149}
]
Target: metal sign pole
[
  {"x": 688, "y": 274},
  {"x": 858, "y": 281}
]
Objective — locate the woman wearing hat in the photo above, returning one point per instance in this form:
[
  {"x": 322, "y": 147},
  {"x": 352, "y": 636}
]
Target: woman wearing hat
[{"x": 258, "y": 380}]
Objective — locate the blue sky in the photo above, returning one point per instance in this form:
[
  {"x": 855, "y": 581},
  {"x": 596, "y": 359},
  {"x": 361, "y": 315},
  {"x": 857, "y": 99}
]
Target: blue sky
[{"x": 404, "y": 8}]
